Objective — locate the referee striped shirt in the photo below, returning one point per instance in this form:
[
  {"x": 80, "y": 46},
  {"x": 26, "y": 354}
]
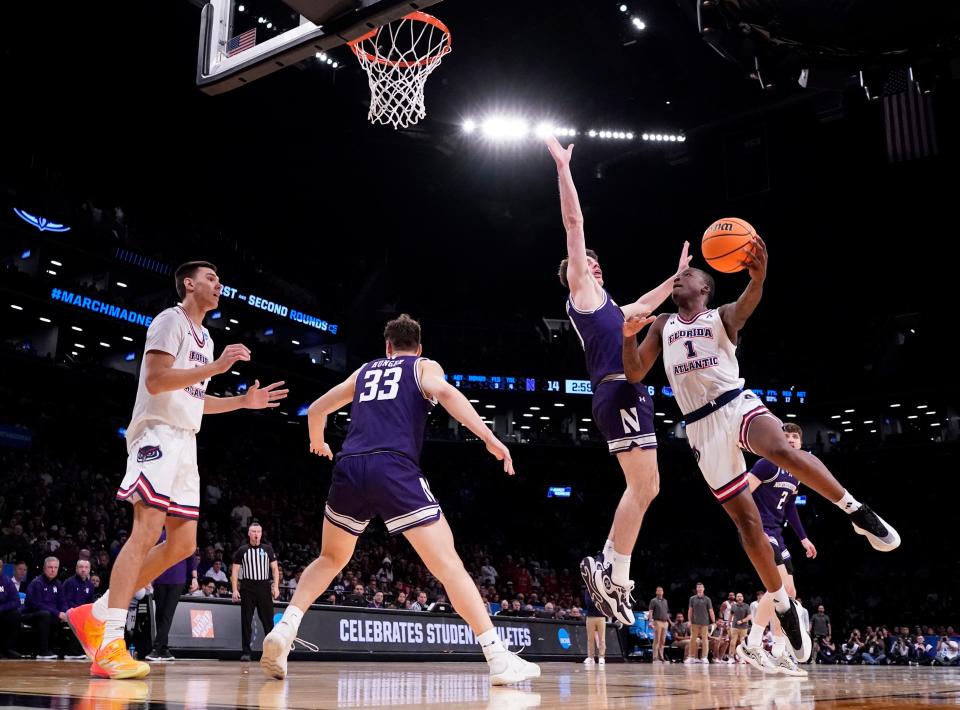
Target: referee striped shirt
[{"x": 255, "y": 561}]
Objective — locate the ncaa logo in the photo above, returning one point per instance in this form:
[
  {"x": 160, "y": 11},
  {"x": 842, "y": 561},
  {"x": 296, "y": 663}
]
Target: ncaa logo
[
  {"x": 563, "y": 636},
  {"x": 148, "y": 453}
]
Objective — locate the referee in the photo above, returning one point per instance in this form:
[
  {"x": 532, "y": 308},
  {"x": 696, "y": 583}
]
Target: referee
[{"x": 254, "y": 565}]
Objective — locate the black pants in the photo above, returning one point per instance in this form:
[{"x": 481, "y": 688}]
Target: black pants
[
  {"x": 165, "y": 600},
  {"x": 255, "y": 595},
  {"x": 9, "y": 630},
  {"x": 43, "y": 622}
]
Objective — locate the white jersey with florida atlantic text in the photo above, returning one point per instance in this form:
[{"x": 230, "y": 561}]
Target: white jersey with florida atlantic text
[
  {"x": 191, "y": 346},
  {"x": 700, "y": 360}
]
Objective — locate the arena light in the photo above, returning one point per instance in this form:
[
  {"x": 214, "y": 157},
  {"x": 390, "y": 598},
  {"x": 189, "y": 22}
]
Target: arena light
[
  {"x": 912, "y": 416},
  {"x": 535, "y": 409},
  {"x": 791, "y": 416},
  {"x": 76, "y": 328},
  {"x": 873, "y": 431},
  {"x": 474, "y": 401},
  {"x": 55, "y": 262},
  {"x": 295, "y": 342},
  {"x": 121, "y": 284},
  {"x": 929, "y": 412},
  {"x": 623, "y": 8},
  {"x": 51, "y": 272},
  {"x": 322, "y": 56},
  {"x": 45, "y": 320},
  {"x": 583, "y": 429},
  {"x": 586, "y": 419},
  {"x": 659, "y": 414},
  {"x": 226, "y": 327},
  {"x": 869, "y": 421},
  {"x": 835, "y": 416},
  {"x": 104, "y": 345},
  {"x": 845, "y": 422},
  {"x": 894, "y": 406},
  {"x": 128, "y": 338},
  {"x": 79, "y": 345},
  {"x": 524, "y": 427},
  {"x": 505, "y": 128},
  {"x": 15, "y": 307},
  {"x": 638, "y": 23},
  {"x": 544, "y": 418},
  {"x": 489, "y": 406},
  {"x": 849, "y": 411},
  {"x": 335, "y": 64},
  {"x": 921, "y": 406},
  {"x": 934, "y": 423},
  {"x": 848, "y": 430},
  {"x": 559, "y": 404},
  {"x": 469, "y": 126},
  {"x": 235, "y": 321},
  {"x": 241, "y": 8},
  {"x": 234, "y": 372},
  {"x": 668, "y": 421},
  {"x": 527, "y": 414}
]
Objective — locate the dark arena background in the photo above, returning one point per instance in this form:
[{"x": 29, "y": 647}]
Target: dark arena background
[{"x": 831, "y": 127}]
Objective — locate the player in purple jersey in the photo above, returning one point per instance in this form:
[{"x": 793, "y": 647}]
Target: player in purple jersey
[
  {"x": 758, "y": 432},
  {"x": 623, "y": 412},
  {"x": 775, "y": 493},
  {"x": 378, "y": 473}
]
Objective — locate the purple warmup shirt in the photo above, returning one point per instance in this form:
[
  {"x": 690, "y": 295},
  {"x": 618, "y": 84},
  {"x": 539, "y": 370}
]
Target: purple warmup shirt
[
  {"x": 601, "y": 334},
  {"x": 44, "y": 595},
  {"x": 776, "y": 497},
  {"x": 389, "y": 411},
  {"x": 77, "y": 592},
  {"x": 9, "y": 596}
]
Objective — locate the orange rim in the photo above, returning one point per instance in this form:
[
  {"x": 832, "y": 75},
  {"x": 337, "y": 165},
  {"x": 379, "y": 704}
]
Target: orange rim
[{"x": 418, "y": 16}]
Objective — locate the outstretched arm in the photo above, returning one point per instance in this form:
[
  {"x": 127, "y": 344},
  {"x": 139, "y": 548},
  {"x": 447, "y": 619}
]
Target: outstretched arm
[
  {"x": 583, "y": 286},
  {"x": 735, "y": 315},
  {"x": 651, "y": 301},
  {"x": 638, "y": 360},
  {"x": 334, "y": 399},
  {"x": 451, "y": 399}
]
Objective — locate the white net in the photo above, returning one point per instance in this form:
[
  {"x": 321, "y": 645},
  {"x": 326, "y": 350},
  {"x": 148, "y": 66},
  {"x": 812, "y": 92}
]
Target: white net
[{"x": 398, "y": 59}]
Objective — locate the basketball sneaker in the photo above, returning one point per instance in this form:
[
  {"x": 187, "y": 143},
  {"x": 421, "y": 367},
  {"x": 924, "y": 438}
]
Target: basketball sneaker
[
  {"x": 757, "y": 657},
  {"x": 618, "y": 598},
  {"x": 788, "y": 666},
  {"x": 589, "y": 565},
  {"x": 507, "y": 668},
  {"x": 276, "y": 647},
  {"x": 87, "y": 628},
  {"x": 797, "y": 635},
  {"x": 878, "y": 532},
  {"x": 114, "y": 661}
]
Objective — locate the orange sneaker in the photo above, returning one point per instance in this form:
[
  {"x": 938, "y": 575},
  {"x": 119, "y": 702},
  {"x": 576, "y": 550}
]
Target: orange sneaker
[
  {"x": 114, "y": 661},
  {"x": 87, "y": 628}
]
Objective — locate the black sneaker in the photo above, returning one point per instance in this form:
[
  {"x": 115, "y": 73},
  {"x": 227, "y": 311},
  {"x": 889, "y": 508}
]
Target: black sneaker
[
  {"x": 154, "y": 656},
  {"x": 797, "y": 636},
  {"x": 166, "y": 655},
  {"x": 879, "y": 534},
  {"x": 245, "y": 657},
  {"x": 589, "y": 565},
  {"x": 618, "y": 599}
]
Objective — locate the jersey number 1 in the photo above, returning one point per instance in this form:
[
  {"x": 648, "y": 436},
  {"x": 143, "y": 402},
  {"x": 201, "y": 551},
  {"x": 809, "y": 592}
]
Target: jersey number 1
[
  {"x": 372, "y": 384},
  {"x": 688, "y": 344}
]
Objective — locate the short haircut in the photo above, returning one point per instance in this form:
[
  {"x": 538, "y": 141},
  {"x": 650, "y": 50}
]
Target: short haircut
[
  {"x": 403, "y": 333},
  {"x": 48, "y": 560},
  {"x": 562, "y": 273},
  {"x": 254, "y": 524},
  {"x": 791, "y": 428},
  {"x": 189, "y": 271}
]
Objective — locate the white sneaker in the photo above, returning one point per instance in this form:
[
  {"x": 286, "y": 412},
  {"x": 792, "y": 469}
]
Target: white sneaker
[
  {"x": 788, "y": 666},
  {"x": 704, "y": 660},
  {"x": 689, "y": 659},
  {"x": 507, "y": 667},
  {"x": 602, "y": 661},
  {"x": 588, "y": 661},
  {"x": 757, "y": 657},
  {"x": 46, "y": 657},
  {"x": 276, "y": 647}
]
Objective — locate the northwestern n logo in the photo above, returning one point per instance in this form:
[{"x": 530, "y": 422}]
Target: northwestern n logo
[{"x": 630, "y": 420}]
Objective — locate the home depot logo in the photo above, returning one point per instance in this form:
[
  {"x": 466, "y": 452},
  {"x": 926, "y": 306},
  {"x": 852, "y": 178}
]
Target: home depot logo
[{"x": 201, "y": 624}]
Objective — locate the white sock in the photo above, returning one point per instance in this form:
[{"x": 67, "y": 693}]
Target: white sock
[
  {"x": 490, "y": 643},
  {"x": 608, "y": 549},
  {"x": 755, "y": 637},
  {"x": 848, "y": 504},
  {"x": 621, "y": 568},
  {"x": 292, "y": 616},
  {"x": 113, "y": 625},
  {"x": 101, "y": 606},
  {"x": 781, "y": 602},
  {"x": 779, "y": 645}
]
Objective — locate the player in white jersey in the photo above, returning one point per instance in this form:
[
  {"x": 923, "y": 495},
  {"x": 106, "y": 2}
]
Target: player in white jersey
[
  {"x": 699, "y": 352},
  {"x": 162, "y": 481}
]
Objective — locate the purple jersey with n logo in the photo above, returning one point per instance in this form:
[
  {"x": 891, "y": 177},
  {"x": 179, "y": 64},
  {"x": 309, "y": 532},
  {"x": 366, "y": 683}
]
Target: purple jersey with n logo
[
  {"x": 601, "y": 334},
  {"x": 389, "y": 410},
  {"x": 776, "y": 496}
]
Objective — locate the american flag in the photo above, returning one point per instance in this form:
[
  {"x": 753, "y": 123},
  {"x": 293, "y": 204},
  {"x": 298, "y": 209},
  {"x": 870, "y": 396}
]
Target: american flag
[
  {"x": 907, "y": 118},
  {"x": 241, "y": 42}
]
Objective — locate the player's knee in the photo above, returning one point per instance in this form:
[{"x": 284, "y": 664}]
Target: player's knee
[{"x": 183, "y": 546}]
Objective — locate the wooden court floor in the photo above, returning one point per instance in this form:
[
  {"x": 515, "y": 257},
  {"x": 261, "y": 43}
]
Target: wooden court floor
[{"x": 453, "y": 686}]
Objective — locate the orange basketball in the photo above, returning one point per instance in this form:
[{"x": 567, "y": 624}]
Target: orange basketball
[{"x": 725, "y": 244}]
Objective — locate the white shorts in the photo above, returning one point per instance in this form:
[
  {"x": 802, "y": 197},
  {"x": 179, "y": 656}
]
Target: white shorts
[
  {"x": 162, "y": 471},
  {"x": 717, "y": 440}
]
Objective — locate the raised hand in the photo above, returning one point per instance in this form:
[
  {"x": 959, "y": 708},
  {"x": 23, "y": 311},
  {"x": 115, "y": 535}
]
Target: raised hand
[
  {"x": 230, "y": 355},
  {"x": 561, "y": 156},
  {"x": 265, "y": 398},
  {"x": 685, "y": 258},
  {"x": 756, "y": 259},
  {"x": 635, "y": 324}
]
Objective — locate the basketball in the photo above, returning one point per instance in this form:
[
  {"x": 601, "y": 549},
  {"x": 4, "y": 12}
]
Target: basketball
[{"x": 725, "y": 244}]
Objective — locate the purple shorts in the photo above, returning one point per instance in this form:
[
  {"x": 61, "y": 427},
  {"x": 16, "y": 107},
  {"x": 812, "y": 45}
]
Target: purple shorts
[
  {"x": 383, "y": 483},
  {"x": 624, "y": 415},
  {"x": 781, "y": 555}
]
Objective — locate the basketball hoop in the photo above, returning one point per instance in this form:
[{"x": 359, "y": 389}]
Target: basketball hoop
[{"x": 398, "y": 58}]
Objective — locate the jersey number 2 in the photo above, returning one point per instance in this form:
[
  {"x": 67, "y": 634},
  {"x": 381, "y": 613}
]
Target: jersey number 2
[
  {"x": 373, "y": 388},
  {"x": 783, "y": 499}
]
